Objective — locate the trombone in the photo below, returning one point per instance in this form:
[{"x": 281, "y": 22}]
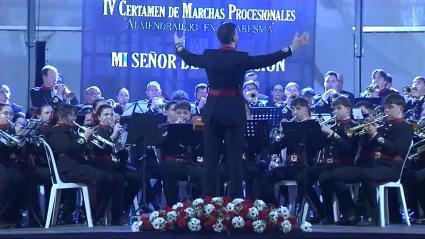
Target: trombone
[{"x": 360, "y": 129}]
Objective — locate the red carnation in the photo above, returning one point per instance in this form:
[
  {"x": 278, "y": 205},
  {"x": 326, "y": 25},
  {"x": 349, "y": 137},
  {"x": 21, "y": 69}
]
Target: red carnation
[
  {"x": 293, "y": 220},
  {"x": 226, "y": 200},
  {"x": 214, "y": 213},
  {"x": 203, "y": 218},
  {"x": 147, "y": 225},
  {"x": 248, "y": 224},
  {"x": 227, "y": 223},
  {"x": 169, "y": 225},
  {"x": 244, "y": 212},
  {"x": 207, "y": 226},
  {"x": 207, "y": 199},
  {"x": 263, "y": 215},
  {"x": 183, "y": 214},
  {"x": 229, "y": 214},
  {"x": 280, "y": 219},
  {"x": 271, "y": 226},
  {"x": 181, "y": 222},
  {"x": 186, "y": 204},
  {"x": 248, "y": 203}
]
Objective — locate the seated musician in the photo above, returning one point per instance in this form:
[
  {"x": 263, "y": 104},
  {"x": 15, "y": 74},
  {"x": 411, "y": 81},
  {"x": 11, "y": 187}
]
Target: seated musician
[
  {"x": 176, "y": 162},
  {"x": 70, "y": 148},
  {"x": 339, "y": 151},
  {"x": 296, "y": 158},
  {"x": 292, "y": 91},
  {"x": 277, "y": 96},
  {"x": 122, "y": 178},
  {"x": 415, "y": 100},
  {"x": 385, "y": 147},
  {"x": 13, "y": 185}
]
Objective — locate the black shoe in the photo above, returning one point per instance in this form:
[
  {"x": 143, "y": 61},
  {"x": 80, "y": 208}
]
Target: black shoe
[
  {"x": 370, "y": 222},
  {"x": 350, "y": 221}
]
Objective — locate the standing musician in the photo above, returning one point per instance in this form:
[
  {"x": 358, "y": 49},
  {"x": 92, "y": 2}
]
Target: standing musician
[
  {"x": 201, "y": 94},
  {"x": 13, "y": 186},
  {"x": 277, "y": 96},
  {"x": 385, "y": 148},
  {"x": 292, "y": 91},
  {"x": 113, "y": 159},
  {"x": 339, "y": 151},
  {"x": 296, "y": 158},
  {"x": 70, "y": 148},
  {"x": 225, "y": 115},
  {"x": 380, "y": 86},
  {"x": 415, "y": 98},
  {"x": 322, "y": 103}
]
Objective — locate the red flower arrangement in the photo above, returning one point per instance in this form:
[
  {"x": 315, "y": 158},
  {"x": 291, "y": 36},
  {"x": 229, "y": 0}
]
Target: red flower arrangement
[{"x": 220, "y": 214}]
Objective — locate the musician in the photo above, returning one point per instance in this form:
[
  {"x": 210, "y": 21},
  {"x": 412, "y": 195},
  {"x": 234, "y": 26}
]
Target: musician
[
  {"x": 250, "y": 92},
  {"x": 333, "y": 88},
  {"x": 179, "y": 95},
  {"x": 5, "y": 99},
  {"x": 154, "y": 97},
  {"x": 123, "y": 96},
  {"x": 91, "y": 94},
  {"x": 225, "y": 115},
  {"x": 415, "y": 101},
  {"x": 13, "y": 185},
  {"x": 201, "y": 94},
  {"x": 177, "y": 162},
  {"x": 339, "y": 150},
  {"x": 277, "y": 96},
  {"x": 380, "y": 86},
  {"x": 114, "y": 160},
  {"x": 252, "y": 75},
  {"x": 295, "y": 158},
  {"x": 308, "y": 94},
  {"x": 386, "y": 147},
  {"x": 50, "y": 92},
  {"x": 70, "y": 149},
  {"x": 292, "y": 91},
  {"x": 366, "y": 108}
]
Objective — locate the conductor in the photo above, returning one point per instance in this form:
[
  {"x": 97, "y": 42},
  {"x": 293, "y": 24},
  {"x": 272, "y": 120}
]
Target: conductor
[{"x": 224, "y": 115}]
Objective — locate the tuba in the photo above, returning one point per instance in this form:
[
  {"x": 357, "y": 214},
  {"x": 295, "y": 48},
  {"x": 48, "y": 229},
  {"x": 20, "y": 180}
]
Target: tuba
[{"x": 252, "y": 96}]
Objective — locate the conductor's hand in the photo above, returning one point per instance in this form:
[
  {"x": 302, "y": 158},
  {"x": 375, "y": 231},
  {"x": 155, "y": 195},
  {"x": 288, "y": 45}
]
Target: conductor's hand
[
  {"x": 178, "y": 40},
  {"x": 300, "y": 41}
]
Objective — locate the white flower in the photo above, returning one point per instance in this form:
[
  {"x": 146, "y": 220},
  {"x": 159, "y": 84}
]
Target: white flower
[
  {"x": 171, "y": 216},
  {"x": 209, "y": 208},
  {"x": 273, "y": 215},
  {"x": 230, "y": 207},
  {"x": 237, "y": 200},
  {"x": 306, "y": 227},
  {"x": 190, "y": 212},
  {"x": 197, "y": 202},
  {"x": 285, "y": 226},
  {"x": 283, "y": 211},
  {"x": 253, "y": 213},
  {"x": 218, "y": 227},
  {"x": 238, "y": 222},
  {"x": 194, "y": 225},
  {"x": 260, "y": 204},
  {"x": 259, "y": 226},
  {"x": 158, "y": 223},
  {"x": 217, "y": 200},
  {"x": 135, "y": 227},
  {"x": 177, "y": 205},
  {"x": 153, "y": 215}
]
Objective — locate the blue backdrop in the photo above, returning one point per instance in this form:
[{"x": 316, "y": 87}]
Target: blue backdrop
[{"x": 127, "y": 43}]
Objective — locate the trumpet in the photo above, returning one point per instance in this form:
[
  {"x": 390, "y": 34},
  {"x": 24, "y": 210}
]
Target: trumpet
[
  {"x": 67, "y": 93},
  {"x": 97, "y": 140},
  {"x": 370, "y": 90},
  {"x": 276, "y": 135},
  {"x": 111, "y": 102},
  {"x": 160, "y": 104},
  {"x": 325, "y": 122},
  {"x": 252, "y": 96},
  {"x": 10, "y": 140},
  {"x": 407, "y": 91},
  {"x": 360, "y": 129}
]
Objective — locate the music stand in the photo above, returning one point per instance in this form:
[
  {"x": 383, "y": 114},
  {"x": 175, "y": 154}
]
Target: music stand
[
  {"x": 140, "y": 106},
  {"x": 257, "y": 135},
  {"x": 267, "y": 113},
  {"x": 31, "y": 126},
  {"x": 143, "y": 132},
  {"x": 373, "y": 100},
  {"x": 305, "y": 134}
]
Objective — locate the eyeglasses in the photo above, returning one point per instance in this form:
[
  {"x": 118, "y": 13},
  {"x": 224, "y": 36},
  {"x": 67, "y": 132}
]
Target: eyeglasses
[{"x": 6, "y": 113}]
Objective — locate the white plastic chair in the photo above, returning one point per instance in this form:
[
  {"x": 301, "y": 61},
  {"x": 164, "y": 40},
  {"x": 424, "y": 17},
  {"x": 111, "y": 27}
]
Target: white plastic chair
[
  {"x": 57, "y": 186},
  {"x": 383, "y": 196}
]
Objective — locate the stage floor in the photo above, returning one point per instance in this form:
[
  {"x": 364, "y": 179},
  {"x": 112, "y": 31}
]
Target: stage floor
[{"x": 328, "y": 232}]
